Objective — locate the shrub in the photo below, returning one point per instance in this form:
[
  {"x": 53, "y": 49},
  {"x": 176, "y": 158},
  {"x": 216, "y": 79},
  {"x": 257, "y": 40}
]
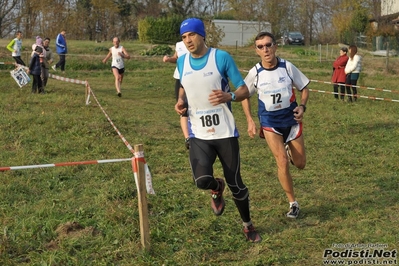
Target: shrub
[
  {"x": 166, "y": 30},
  {"x": 160, "y": 30},
  {"x": 214, "y": 34},
  {"x": 158, "y": 50}
]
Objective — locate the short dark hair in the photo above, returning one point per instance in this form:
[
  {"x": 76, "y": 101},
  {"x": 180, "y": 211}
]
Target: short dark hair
[
  {"x": 47, "y": 39},
  {"x": 344, "y": 49},
  {"x": 263, "y": 34}
]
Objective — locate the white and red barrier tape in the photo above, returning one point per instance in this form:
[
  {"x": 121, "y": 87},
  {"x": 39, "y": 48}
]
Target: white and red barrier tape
[
  {"x": 90, "y": 91},
  {"x": 357, "y": 86},
  {"x": 358, "y": 95},
  {"x": 2, "y": 169},
  {"x": 76, "y": 81},
  {"x": 139, "y": 156}
]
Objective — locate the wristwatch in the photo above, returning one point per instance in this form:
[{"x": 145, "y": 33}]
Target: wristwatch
[
  {"x": 304, "y": 107},
  {"x": 233, "y": 96}
]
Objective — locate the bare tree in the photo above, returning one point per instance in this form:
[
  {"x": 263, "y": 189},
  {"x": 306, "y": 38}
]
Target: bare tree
[
  {"x": 279, "y": 16},
  {"x": 8, "y": 17},
  {"x": 324, "y": 20},
  {"x": 324, "y": 30},
  {"x": 28, "y": 16},
  {"x": 247, "y": 9},
  {"x": 217, "y": 6},
  {"x": 197, "y": 8},
  {"x": 375, "y": 8}
]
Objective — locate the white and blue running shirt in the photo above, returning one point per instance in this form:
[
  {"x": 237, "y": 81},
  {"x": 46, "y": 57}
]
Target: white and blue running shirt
[
  {"x": 199, "y": 76},
  {"x": 117, "y": 60},
  {"x": 276, "y": 94}
]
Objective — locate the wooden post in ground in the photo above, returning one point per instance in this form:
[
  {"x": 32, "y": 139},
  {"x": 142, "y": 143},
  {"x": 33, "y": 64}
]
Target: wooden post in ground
[{"x": 142, "y": 197}]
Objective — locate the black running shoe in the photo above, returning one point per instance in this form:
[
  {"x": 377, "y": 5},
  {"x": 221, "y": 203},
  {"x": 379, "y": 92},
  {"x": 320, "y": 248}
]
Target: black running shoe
[
  {"x": 294, "y": 211},
  {"x": 217, "y": 201},
  {"x": 119, "y": 94},
  {"x": 251, "y": 234}
]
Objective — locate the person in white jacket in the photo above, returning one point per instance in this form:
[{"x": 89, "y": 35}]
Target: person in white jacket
[{"x": 352, "y": 71}]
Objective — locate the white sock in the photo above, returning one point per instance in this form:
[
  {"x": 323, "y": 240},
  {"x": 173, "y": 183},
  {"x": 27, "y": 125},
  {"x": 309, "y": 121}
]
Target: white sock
[{"x": 247, "y": 224}]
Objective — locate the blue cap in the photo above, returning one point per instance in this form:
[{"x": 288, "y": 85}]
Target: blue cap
[{"x": 192, "y": 25}]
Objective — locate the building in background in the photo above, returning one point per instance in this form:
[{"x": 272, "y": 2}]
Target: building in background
[
  {"x": 388, "y": 22},
  {"x": 389, "y": 7},
  {"x": 239, "y": 32}
]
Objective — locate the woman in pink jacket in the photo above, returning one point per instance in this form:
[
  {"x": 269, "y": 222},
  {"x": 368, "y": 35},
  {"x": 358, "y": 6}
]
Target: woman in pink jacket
[{"x": 338, "y": 75}]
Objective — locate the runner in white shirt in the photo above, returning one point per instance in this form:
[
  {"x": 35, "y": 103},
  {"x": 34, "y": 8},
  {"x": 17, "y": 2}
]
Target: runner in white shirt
[
  {"x": 118, "y": 54},
  {"x": 15, "y": 47},
  {"x": 204, "y": 74},
  {"x": 275, "y": 80},
  {"x": 179, "y": 51}
]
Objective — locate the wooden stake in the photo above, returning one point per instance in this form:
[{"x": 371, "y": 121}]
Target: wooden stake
[{"x": 142, "y": 197}]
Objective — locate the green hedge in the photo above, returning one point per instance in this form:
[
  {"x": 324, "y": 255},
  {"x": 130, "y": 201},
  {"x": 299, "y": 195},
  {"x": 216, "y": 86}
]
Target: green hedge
[{"x": 160, "y": 30}]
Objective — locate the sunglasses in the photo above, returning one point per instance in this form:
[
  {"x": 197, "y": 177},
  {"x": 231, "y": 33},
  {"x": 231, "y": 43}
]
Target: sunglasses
[{"x": 267, "y": 45}]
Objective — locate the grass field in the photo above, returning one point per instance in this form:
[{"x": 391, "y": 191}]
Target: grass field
[{"x": 88, "y": 214}]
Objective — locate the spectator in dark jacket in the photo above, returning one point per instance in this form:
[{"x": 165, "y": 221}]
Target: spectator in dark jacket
[
  {"x": 47, "y": 60},
  {"x": 62, "y": 50},
  {"x": 35, "y": 69},
  {"x": 338, "y": 75}
]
